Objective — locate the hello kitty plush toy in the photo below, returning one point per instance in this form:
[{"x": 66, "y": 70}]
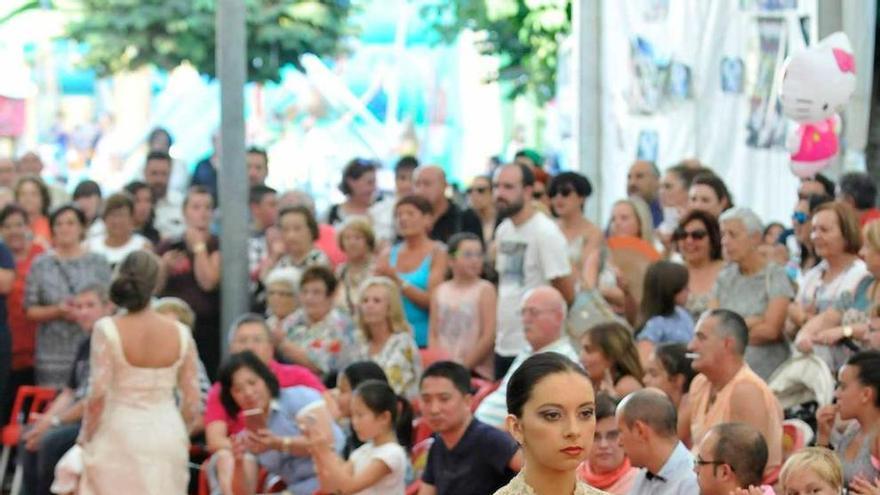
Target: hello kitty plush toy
[{"x": 816, "y": 84}]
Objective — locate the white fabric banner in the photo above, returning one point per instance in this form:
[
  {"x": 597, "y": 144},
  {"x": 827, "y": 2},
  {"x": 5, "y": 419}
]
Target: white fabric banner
[{"x": 691, "y": 78}]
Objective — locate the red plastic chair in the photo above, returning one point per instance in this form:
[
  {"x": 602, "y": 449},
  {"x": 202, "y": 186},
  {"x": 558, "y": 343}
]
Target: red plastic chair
[
  {"x": 421, "y": 430},
  {"x": 483, "y": 391},
  {"x": 431, "y": 355},
  {"x": 39, "y": 398}
]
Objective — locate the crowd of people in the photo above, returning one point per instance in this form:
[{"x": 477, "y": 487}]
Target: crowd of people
[{"x": 425, "y": 342}]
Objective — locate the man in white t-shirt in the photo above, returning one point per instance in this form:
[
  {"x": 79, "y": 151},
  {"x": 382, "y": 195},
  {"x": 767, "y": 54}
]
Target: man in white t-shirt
[{"x": 531, "y": 252}]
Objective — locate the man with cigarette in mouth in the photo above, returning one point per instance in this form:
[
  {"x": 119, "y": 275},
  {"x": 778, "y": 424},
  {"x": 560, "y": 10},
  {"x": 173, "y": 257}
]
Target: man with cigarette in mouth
[{"x": 726, "y": 389}]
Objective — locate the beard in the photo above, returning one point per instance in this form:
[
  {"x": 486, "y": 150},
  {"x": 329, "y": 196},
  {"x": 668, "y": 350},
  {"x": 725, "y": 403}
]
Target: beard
[{"x": 507, "y": 209}]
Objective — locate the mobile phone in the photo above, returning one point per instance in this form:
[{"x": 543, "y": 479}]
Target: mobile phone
[{"x": 254, "y": 420}]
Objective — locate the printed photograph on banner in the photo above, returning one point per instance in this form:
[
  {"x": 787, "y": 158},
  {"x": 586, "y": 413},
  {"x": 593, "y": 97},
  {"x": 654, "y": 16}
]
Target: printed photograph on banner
[
  {"x": 768, "y": 5},
  {"x": 648, "y": 144},
  {"x": 732, "y": 73},
  {"x": 679, "y": 81},
  {"x": 766, "y": 125},
  {"x": 655, "y": 10},
  {"x": 658, "y": 81}
]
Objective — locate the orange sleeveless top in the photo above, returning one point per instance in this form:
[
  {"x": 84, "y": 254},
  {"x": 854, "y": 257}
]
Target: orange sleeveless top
[{"x": 704, "y": 416}]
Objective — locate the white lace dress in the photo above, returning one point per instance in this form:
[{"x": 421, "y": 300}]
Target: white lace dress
[{"x": 133, "y": 433}]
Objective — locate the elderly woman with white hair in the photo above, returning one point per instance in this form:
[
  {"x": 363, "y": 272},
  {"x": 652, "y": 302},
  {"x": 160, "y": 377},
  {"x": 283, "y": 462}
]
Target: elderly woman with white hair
[
  {"x": 282, "y": 297},
  {"x": 755, "y": 288}
]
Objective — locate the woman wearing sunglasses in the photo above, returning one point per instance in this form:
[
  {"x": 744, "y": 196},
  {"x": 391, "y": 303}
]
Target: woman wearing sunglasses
[
  {"x": 568, "y": 194},
  {"x": 698, "y": 240},
  {"x": 479, "y": 197}
]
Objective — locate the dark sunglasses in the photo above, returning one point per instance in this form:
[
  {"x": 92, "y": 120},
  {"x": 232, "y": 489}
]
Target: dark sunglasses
[
  {"x": 478, "y": 190},
  {"x": 564, "y": 191},
  {"x": 697, "y": 235},
  {"x": 538, "y": 194},
  {"x": 799, "y": 217}
]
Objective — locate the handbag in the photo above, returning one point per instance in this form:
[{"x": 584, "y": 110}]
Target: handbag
[{"x": 588, "y": 310}]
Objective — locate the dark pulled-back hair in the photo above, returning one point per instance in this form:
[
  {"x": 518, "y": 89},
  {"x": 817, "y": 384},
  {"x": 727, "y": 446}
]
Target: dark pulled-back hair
[
  {"x": 235, "y": 362},
  {"x": 379, "y": 398},
  {"x": 533, "y": 370},
  {"x": 717, "y": 185},
  {"x": 361, "y": 371},
  {"x": 135, "y": 280},
  {"x": 868, "y": 364},
  {"x": 673, "y": 358}
]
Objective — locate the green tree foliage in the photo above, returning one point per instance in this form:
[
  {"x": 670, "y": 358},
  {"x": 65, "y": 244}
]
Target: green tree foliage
[
  {"x": 524, "y": 34},
  {"x": 127, "y": 34}
]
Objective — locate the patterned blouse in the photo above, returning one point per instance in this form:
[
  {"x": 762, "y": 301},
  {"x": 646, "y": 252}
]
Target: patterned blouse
[
  {"x": 518, "y": 486},
  {"x": 400, "y": 360},
  {"x": 331, "y": 344},
  {"x": 51, "y": 281}
]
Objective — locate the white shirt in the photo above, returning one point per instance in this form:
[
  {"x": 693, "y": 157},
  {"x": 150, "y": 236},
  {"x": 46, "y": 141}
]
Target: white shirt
[
  {"x": 169, "y": 215},
  {"x": 676, "y": 477},
  {"x": 493, "y": 409},
  {"x": 116, "y": 254},
  {"x": 813, "y": 290},
  {"x": 382, "y": 217},
  {"x": 393, "y": 456},
  {"x": 529, "y": 255}
]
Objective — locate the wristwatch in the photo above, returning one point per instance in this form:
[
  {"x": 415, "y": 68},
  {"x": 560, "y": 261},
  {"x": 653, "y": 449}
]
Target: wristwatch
[
  {"x": 285, "y": 444},
  {"x": 847, "y": 332},
  {"x": 55, "y": 421}
]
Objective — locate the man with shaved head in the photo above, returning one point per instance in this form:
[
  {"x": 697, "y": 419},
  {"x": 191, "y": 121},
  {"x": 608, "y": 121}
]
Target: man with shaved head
[
  {"x": 449, "y": 219},
  {"x": 647, "y": 423},
  {"x": 543, "y": 313},
  {"x": 731, "y": 456}
]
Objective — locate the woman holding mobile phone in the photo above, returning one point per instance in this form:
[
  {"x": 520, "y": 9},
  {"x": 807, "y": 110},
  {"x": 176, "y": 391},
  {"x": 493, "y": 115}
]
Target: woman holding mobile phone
[{"x": 272, "y": 438}]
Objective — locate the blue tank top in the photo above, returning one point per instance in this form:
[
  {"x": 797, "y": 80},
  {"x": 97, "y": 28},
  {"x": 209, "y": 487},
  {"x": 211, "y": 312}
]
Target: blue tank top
[{"x": 416, "y": 316}]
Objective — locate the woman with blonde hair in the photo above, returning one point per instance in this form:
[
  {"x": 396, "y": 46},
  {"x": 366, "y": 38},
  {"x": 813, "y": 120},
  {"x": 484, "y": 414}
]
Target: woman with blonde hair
[
  {"x": 632, "y": 217},
  {"x": 389, "y": 340},
  {"x": 854, "y": 317},
  {"x": 357, "y": 240},
  {"x": 611, "y": 359}
]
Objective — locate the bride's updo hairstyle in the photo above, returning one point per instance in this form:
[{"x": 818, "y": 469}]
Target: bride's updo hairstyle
[{"x": 135, "y": 280}]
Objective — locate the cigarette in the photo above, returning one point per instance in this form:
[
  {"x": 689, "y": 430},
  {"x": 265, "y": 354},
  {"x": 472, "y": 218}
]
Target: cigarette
[{"x": 692, "y": 355}]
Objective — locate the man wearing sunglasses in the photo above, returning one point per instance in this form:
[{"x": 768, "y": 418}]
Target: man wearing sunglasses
[{"x": 731, "y": 456}]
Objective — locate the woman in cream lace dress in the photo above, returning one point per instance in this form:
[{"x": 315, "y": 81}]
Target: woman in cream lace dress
[{"x": 135, "y": 437}]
